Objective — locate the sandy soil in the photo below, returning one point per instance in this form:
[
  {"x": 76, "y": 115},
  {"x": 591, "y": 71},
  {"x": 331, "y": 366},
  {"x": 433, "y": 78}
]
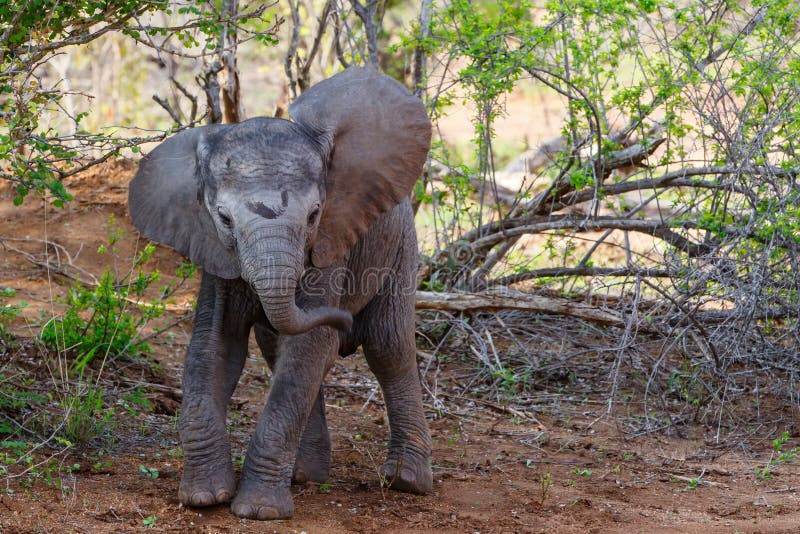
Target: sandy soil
[{"x": 490, "y": 466}]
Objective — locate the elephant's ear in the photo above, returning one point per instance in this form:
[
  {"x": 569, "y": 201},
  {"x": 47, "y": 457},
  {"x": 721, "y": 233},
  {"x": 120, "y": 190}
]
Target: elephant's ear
[
  {"x": 378, "y": 135},
  {"x": 166, "y": 207}
]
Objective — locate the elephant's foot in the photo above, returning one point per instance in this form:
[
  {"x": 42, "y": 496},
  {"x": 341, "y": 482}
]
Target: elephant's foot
[
  {"x": 207, "y": 485},
  {"x": 407, "y": 472},
  {"x": 254, "y": 501},
  {"x": 313, "y": 462},
  {"x": 208, "y": 477},
  {"x": 311, "y": 470}
]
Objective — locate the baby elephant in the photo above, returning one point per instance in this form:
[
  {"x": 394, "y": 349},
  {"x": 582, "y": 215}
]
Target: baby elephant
[{"x": 306, "y": 235}]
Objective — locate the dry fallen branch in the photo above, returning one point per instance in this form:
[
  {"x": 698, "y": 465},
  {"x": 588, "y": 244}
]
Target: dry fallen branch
[
  {"x": 65, "y": 267},
  {"x": 514, "y": 300},
  {"x": 553, "y": 198},
  {"x": 504, "y": 298},
  {"x": 669, "y": 180}
]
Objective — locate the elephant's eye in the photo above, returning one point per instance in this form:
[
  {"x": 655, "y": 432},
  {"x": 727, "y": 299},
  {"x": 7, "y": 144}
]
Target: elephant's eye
[
  {"x": 312, "y": 217},
  {"x": 224, "y": 217}
]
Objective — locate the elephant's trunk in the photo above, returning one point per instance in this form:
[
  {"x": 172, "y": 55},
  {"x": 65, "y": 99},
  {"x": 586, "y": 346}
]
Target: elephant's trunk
[{"x": 274, "y": 276}]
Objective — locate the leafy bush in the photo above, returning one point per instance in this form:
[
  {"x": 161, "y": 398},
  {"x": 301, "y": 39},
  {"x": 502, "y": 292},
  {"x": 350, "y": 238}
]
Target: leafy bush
[
  {"x": 106, "y": 320},
  {"x": 111, "y": 328}
]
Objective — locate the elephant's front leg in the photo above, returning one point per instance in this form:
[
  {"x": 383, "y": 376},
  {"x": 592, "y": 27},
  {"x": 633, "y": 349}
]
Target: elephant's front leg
[
  {"x": 313, "y": 460},
  {"x": 267, "y": 473},
  {"x": 213, "y": 365}
]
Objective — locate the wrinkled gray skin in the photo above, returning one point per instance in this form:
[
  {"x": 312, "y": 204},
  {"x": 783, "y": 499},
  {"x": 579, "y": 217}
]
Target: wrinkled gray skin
[{"x": 259, "y": 205}]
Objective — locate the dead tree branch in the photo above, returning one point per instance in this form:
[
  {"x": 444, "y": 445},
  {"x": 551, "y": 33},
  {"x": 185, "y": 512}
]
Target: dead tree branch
[
  {"x": 232, "y": 105},
  {"x": 300, "y": 80},
  {"x": 209, "y": 83},
  {"x": 515, "y": 300},
  {"x": 419, "y": 53},
  {"x": 369, "y": 13}
]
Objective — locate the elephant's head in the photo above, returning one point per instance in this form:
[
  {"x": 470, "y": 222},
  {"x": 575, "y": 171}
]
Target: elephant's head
[{"x": 265, "y": 198}]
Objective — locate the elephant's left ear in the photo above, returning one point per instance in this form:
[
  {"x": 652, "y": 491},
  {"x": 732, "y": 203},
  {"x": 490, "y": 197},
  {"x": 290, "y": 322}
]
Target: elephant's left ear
[{"x": 378, "y": 136}]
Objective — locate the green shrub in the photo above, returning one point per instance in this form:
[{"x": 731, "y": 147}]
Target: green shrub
[
  {"x": 100, "y": 321},
  {"x": 105, "y": 321},
  {"x": 86, "y": 416}
]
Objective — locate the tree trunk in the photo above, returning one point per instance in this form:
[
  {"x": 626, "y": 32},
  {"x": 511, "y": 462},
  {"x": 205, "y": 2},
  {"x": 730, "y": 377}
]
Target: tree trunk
[{"x": 232, "y": 107}]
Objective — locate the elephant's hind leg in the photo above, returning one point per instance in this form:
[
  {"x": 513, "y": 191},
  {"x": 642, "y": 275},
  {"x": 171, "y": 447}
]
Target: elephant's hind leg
[
  {"x": 388, "y": 333},
  {"x": 214, "y": 363},
  {"x": 313, "y": 461}
]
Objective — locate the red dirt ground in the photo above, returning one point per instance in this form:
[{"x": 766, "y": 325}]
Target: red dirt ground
[{"x": 489, "y": 466}]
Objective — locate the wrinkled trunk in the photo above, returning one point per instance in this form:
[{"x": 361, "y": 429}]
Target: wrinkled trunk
[{"x": 274, "y": 274}]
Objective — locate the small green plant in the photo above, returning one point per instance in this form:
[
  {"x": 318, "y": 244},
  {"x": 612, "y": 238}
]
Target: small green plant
[
  {"x": 452, "y": 440},
  {"x": 508, "y": 380},
  {"x": 85, "y": 415},
  {"x": 101, "y": 466},
  {"x": 49, "y": 471},
  {"x": 135, "y": 402},
  {"x": 582, "y": 472},
  {"x": 545, "y": 486},
  {"x": 530, "y": 464},
  {"x": 14, "y": 401},
  {"x": 12, "y": 452},
  {"x": 149, "y": 472},
  {"x": 325, "y": 487},
  {"x": 150, "y": 521},
  {"x": 778, "y": 456},
  {"x": 98, "y": 322}
]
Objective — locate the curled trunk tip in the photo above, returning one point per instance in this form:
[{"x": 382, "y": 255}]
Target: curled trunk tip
[{"x": 274, "y": 275}]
